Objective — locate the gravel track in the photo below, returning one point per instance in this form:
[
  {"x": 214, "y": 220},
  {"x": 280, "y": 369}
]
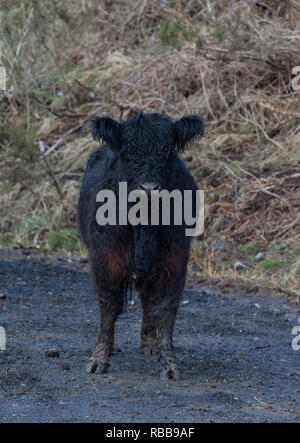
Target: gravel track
[{"x": 234, "y": 350}]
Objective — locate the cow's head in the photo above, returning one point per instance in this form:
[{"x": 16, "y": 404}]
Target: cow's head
[{"x": 147, "y": 145}]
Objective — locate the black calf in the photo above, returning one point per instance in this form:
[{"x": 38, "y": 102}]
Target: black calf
[{"x": 142, "y": 151}]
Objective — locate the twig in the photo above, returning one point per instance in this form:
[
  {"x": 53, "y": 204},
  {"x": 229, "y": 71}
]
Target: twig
[
  {"x": 25, "y": 32},
  {"x": 271, "y": 140},
  {"x": 51, "y": 173},
  {"x": 69, "y": 132},
  {"x": 64, "y": 136},
  {"x": 37, "y": 236}
]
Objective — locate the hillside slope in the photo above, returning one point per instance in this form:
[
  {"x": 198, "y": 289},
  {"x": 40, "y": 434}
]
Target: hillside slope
[{"x": 230, "y": 61}]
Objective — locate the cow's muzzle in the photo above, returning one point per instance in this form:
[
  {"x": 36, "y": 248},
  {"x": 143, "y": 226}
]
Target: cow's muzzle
[{"x": 149, "y": 186}]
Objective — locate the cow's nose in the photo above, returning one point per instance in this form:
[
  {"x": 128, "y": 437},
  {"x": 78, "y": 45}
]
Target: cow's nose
[{"x": 148, "y": 187}]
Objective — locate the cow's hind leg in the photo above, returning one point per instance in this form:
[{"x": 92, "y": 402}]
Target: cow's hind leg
[{"x": 110, "y": 303}]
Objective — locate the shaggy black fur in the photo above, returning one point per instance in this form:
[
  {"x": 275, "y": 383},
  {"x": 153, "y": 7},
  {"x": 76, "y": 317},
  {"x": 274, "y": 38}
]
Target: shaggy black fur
[{"x": 143, "y": 149}]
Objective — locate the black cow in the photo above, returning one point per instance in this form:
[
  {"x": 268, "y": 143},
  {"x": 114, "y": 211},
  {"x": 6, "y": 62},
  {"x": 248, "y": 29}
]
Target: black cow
[{"x": 142, "y": 151}]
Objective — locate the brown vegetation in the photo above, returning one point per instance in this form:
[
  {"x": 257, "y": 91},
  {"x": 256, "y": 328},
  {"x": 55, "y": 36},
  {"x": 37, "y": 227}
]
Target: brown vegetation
[{"x": 230, "y": 61}]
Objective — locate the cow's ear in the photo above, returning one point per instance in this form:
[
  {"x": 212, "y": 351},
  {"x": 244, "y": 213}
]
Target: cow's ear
[
  {"x": 107, "y": 130},
  {"x": 188, "y": 128}
]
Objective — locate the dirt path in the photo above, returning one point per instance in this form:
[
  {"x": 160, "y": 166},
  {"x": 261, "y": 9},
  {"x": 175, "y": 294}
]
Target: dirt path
[{"x": 235, "y": 351}]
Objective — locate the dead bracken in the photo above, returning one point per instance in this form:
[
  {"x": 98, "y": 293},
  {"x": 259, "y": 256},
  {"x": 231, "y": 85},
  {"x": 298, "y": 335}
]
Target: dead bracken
[{"x": 229, "y": 61}]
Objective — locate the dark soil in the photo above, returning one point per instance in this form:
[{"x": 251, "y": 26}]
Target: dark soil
[{"x": 234, "y": 350}]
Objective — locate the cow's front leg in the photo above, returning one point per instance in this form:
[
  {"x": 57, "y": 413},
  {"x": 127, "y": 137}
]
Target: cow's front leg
[
  {"x": 110, "y": 304},
  {"x": 148, "y": 332},
  {"x": 165, "y": 348},
  {"x": 160, "y": 310}
]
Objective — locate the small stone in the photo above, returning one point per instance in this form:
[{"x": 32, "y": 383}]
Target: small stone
[
  {"x": 65, "y": 366},
  {"x": 2, "y": 296},
  {"x": 22, "y": 390},
  {"x": 240, "y": 265},
  {"x": 185, "y": 302},
  {"x": 52, "y": 353},
  {"x": 60, "y": 258},
  {"x": 259, "y": 256}
]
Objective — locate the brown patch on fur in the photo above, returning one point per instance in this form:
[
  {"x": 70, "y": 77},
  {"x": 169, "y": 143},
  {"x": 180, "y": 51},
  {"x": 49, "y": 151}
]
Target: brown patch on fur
[
  {"x": 170, "y": 267},
  {"x": 115, "y": 263}
]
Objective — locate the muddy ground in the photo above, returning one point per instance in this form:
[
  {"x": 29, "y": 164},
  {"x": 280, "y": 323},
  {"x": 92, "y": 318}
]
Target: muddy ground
[{"x": 234, "y": 350}]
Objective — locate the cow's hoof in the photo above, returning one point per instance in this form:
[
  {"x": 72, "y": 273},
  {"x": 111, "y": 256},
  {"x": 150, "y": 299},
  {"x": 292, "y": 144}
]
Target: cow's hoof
[
  {"x": 169, "y": 374},
  {"x": 94, "y": 367},
  {"x": 147, "y": 350},
  {"x": 102, "y": 369}
]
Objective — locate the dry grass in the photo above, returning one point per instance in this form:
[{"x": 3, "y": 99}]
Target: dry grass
[{"x": 230, "y": 61}]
